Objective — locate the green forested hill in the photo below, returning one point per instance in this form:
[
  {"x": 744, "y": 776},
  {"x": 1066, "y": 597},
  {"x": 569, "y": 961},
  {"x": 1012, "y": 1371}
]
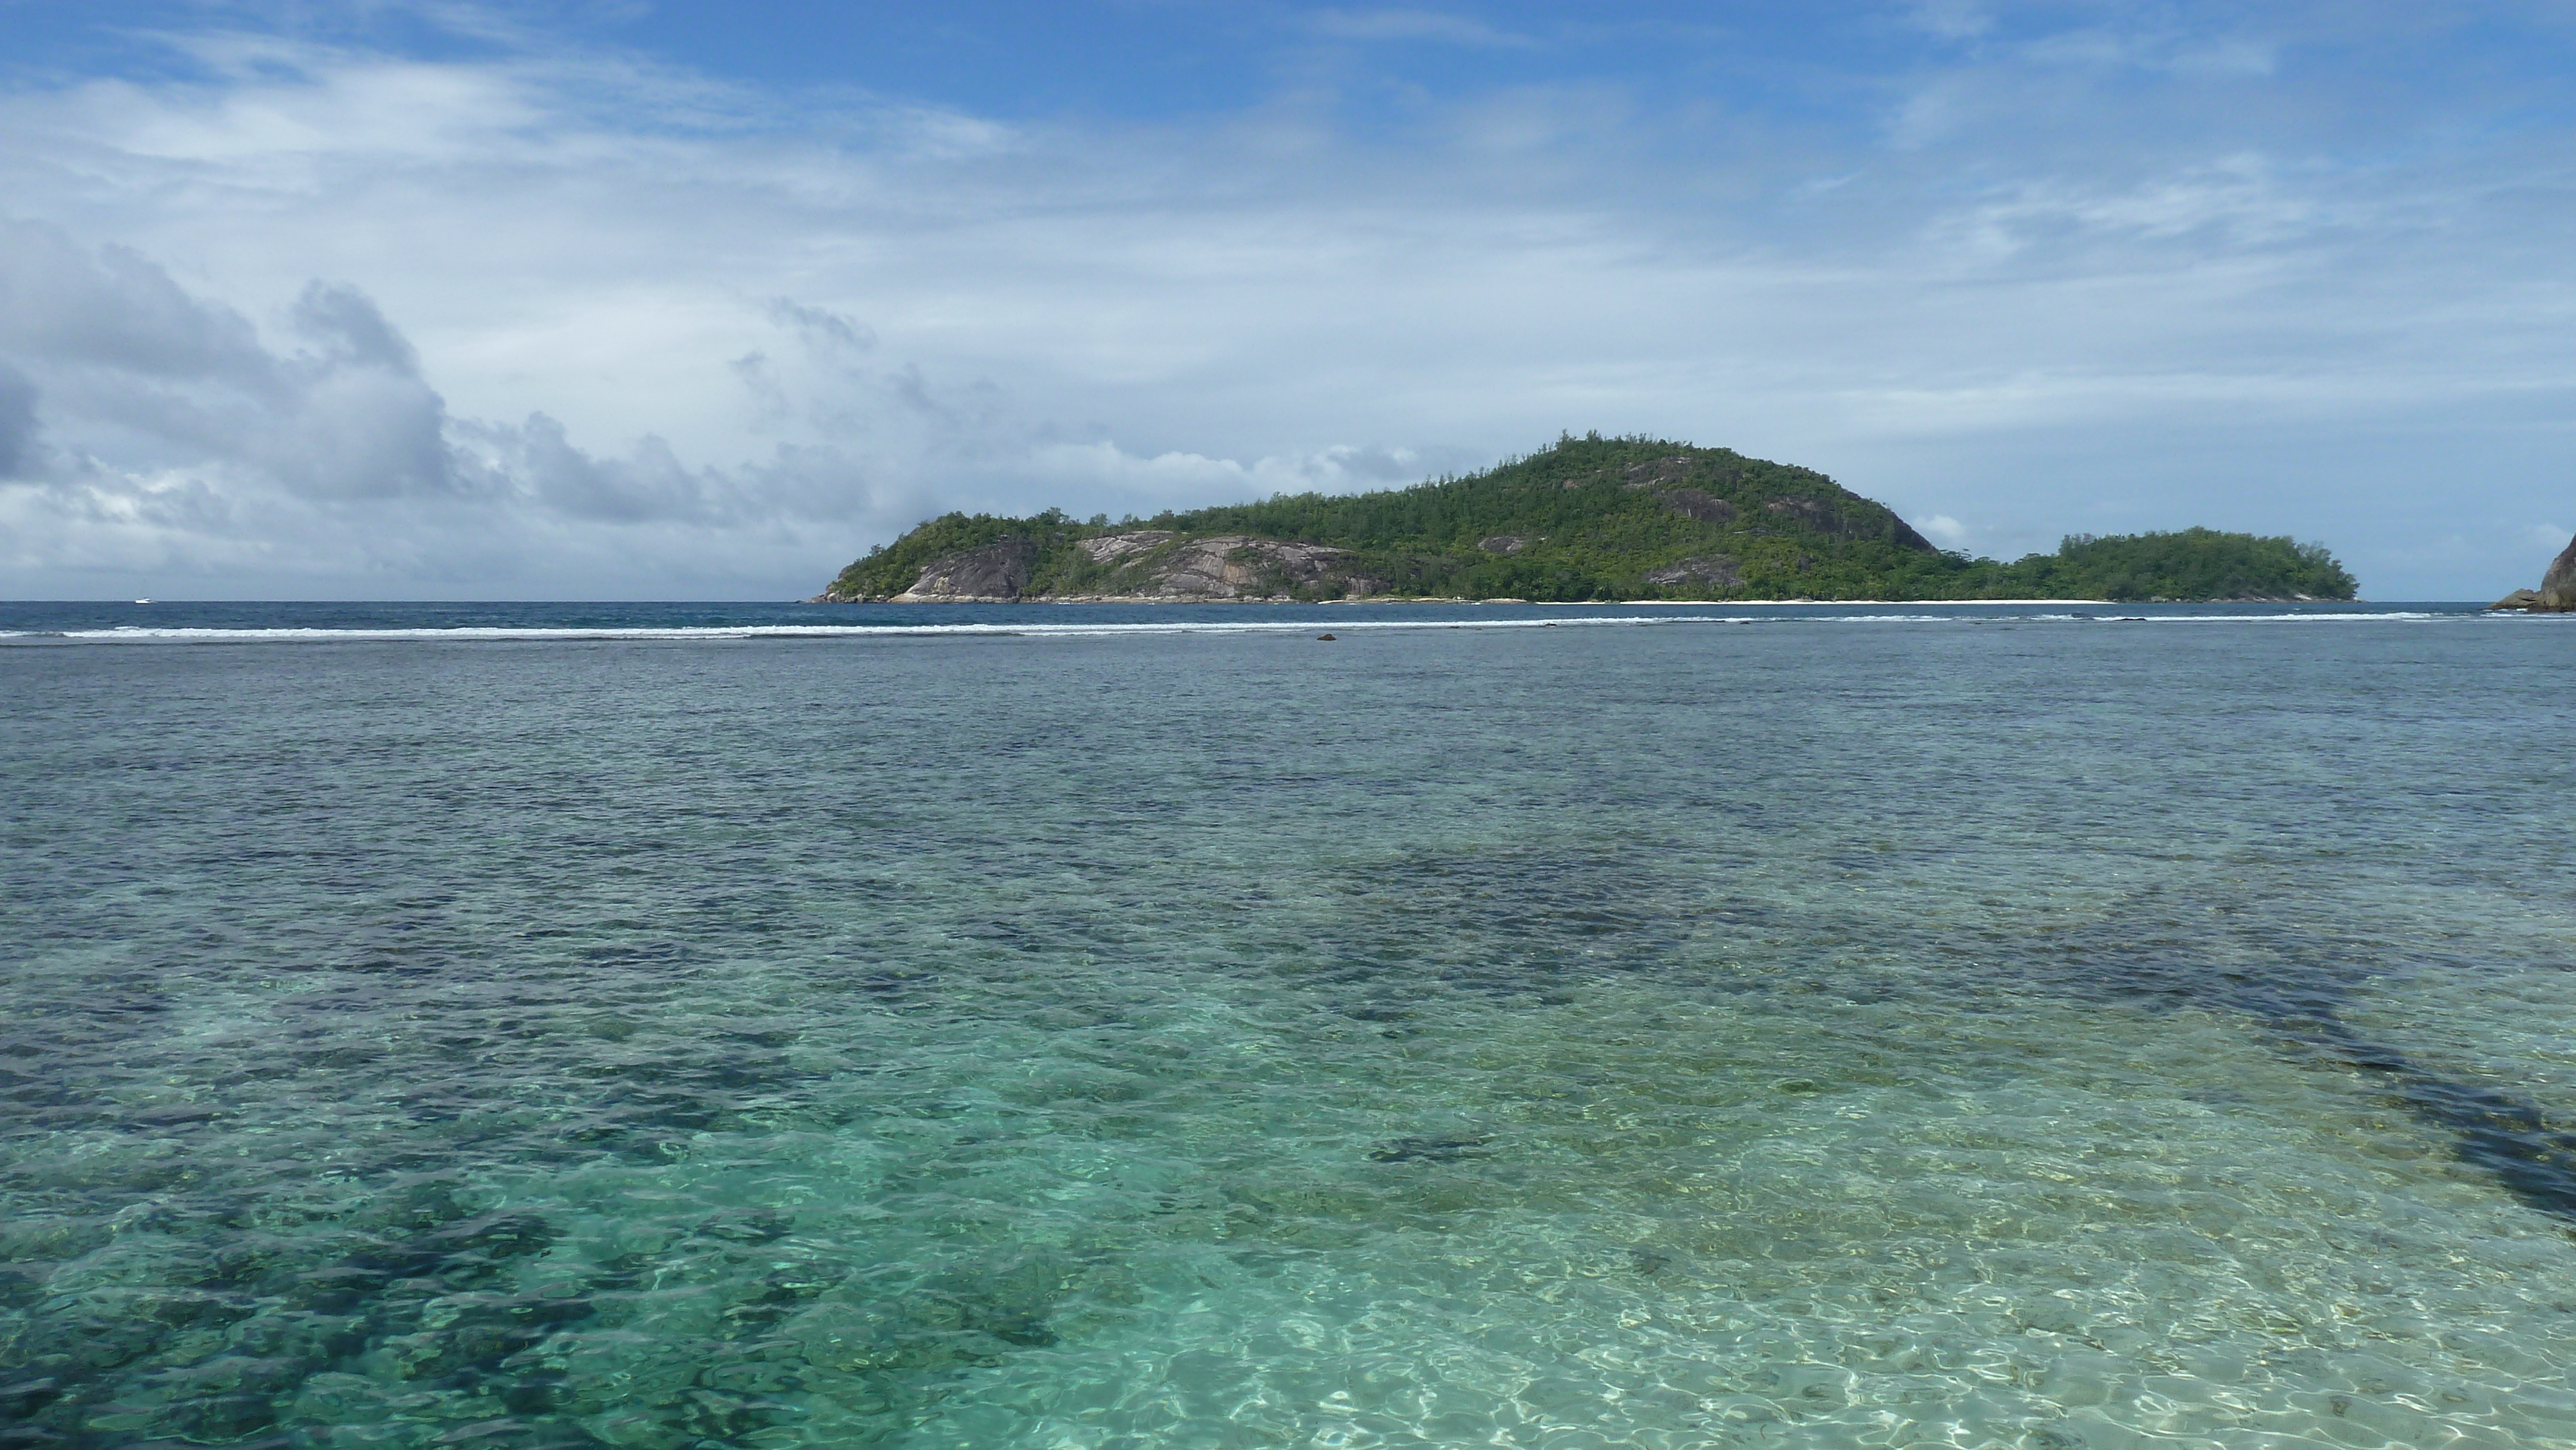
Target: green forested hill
[
  {"x": 2185, "y": 564},
  {"x": 1594, "y": 518}
]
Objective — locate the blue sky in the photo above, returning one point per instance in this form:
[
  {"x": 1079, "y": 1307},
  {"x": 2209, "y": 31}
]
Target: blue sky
[{"x": 686, "y": 300}]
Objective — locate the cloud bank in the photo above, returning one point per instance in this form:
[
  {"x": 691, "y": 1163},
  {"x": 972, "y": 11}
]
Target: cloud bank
[{"x": 290, "y": 318}]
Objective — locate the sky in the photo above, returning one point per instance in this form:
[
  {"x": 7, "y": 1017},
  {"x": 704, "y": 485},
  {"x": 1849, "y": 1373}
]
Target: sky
[{"x": 614, "y": 299}]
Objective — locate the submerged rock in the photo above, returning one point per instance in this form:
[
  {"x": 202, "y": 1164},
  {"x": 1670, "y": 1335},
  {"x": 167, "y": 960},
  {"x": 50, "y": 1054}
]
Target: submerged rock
[{"x": 1427, "y": 1150}]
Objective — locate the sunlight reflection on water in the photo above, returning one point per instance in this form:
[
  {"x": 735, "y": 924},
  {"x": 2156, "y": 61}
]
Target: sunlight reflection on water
[{"x": 2012, "y": 1034}]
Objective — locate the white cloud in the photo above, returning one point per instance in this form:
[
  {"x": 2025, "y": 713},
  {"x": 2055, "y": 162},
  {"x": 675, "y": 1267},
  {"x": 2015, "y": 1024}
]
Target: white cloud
[
  {"x": 121, "y": 360},
  {"x": 266, "y": 449},
  {"x": 2239, "y": 196},
  {"x": 1951, "y": 19},
  {"x": 1186, "y": 480},
  {"x": 337, "y": 322}
]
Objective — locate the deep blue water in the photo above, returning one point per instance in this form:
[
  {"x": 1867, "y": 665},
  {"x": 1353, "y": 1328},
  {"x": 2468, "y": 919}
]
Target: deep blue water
[{"x": 671, "y": 1026}]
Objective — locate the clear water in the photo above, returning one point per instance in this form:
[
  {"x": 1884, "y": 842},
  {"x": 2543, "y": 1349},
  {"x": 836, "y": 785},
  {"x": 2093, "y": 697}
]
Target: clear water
[{"x": 1870, "y": 1028}]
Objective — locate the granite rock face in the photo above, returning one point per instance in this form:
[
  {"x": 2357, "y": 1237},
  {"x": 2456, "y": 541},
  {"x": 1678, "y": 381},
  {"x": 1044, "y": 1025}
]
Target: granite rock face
[
  {"x": 995, "y": 573},
  {"x": 1660, "y": 470},
  {"x": 1119, "y": 546},
  {"x": 1716, "y": 569},
  {"x": 1692, "y": 503},
  {"x": 1226, "y": 566},
  {"x": 1820, "y": 515},
  {"x": 2558, "y": 586},
  {"x": 1238, "y": 566},
  {"x": 2557, "y": 591}
]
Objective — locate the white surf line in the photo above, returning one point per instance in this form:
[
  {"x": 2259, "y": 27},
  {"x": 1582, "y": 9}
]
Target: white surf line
[
  {"x": 136, "y": 635},
  {"x": 2396, "y": 614},
  {"x": 132, "y": 634}
]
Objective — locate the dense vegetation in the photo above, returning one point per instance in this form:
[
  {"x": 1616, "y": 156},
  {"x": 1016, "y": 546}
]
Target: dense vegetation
[
  {"x": 1633, "y": 518},
  {"x": 2189, "y": 564}
]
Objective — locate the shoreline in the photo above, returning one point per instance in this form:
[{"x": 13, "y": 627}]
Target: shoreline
[{"x": 1568, "y": 603}]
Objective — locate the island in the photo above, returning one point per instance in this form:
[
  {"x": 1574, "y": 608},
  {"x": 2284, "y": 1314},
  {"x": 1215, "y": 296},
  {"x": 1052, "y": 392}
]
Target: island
[{"x": 1590, "y": 518}]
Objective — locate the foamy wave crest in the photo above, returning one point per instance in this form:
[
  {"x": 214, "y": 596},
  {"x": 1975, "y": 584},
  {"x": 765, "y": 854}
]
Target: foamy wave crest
[
  {"x": 134, "y": 634},
  {"x": 1970, "y": 613}
]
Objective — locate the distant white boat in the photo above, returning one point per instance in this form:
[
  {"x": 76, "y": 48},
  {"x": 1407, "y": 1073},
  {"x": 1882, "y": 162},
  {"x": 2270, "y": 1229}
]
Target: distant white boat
[{"x": 142, "y": 601}]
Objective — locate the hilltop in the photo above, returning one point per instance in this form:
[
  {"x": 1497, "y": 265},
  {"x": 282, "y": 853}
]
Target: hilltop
[{"x": 1589, "y": 518}]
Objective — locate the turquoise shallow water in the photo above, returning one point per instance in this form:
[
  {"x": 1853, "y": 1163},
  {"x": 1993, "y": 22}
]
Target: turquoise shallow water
[{"x": 1973, "y": 1031}]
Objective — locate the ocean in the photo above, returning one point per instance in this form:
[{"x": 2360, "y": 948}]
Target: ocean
[{"x": 681, "y": 1026}]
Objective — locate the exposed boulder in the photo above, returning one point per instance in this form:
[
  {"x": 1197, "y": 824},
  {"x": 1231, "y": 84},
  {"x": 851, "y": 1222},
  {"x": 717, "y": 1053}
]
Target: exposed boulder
[
  {"x": 1691, "y": 503},
  {"x": 2558, "y": 586},
  {"x": 1503, "y": 544},
  {"x": 1907, "y": 538},
  {"x": 1834, "y": 520},
  {"x": 1660, "y": 470},
  {"x": 1118, "y": 546},
  {"x": 1716, "y": 569},
  {"x": 995, "y": 573},
  {"x": 2557, "y": 591},
  {"x": 1236, "y": 566}
]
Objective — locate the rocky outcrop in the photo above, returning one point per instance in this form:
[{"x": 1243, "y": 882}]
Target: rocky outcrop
[
  {"x": 1503, "y": 544},
  {"x": 1123, "y": 545},
  {"x": 1712, "y": 569},
  {"x": 1832, "y": 520},
  {"x": 1660, "y": 470},
  {"x": 1238, "y": 566},
  {"x": 1661, "y": 473},
  {"x": 1148, "y": 564},
  {"x": 1691, "y": 503},
  {"x": 993, "y": 574},
  {"x": 2557, "y": 591}
]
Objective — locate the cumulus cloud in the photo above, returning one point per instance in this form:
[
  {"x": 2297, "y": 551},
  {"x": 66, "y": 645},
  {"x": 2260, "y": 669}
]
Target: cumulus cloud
[
  {"x": 334, "y": 320},
  {"x": 17, "y": 422},
  {"x": 110, "y": 308},
  {"x": 130, "y": 365},
  {"x": 188, "y": 439},
  {"x": 822, "y": 329}
]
